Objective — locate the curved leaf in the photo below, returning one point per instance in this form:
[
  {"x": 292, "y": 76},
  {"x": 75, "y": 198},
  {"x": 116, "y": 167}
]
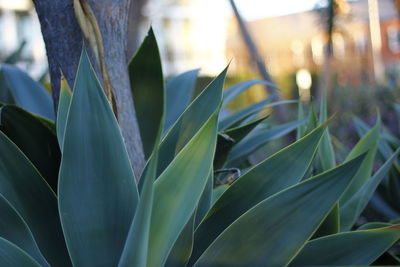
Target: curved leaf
[
  {"x": 26, "y": 92},
  {"x": 369, "y": 143},
  {"x": 230, "y": 137},
  {"x": 192, "y": 119},
  {"x": 276, "y": 173},
  {"x": 355, "y": 206},
  {"x": 14, "y": 229},
  {"x": 350, "y": 248},
  {"x": 179, "y": 92},
  {"x": 176, "y": 196},
  {"x": 274, "y": 230},
  {"x": 147, "y": 84},
  {"x": 229, "y": 121},
  {"x": 182, "y": 249},
  {"x": 137, "y": 242},
  {"x": 97, "y": 190},
  {"x": 36, "y": 140},
  {"x": 33, "y": 199},
  {"x": 63, "y": 108},
  {"x": 259, "y": 137},
  {"x": 11, "y": 256}
]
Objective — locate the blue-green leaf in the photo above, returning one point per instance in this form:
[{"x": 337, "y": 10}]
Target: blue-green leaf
[
  {"x": 179, "y": 93},
  {"x": 147, "y": 84},
  {"x": 272, "y": 232},
  {"x": 14, "y": 229},
  {"x": 176, "y": 196},
  {"x": 355, "y": 205},
  {"x": 35, "y": 138},
  {"x": 26, "y": 92},
  {"x": 189, "y": 123},
  {"x": 63, "y": 108},
  {"x": 276, "y": 173},
  {"x": 12, "y": 256},
  {"x": 97, "y": 190},
  {"x": 260, "y": 137},
  {"x": 369, "y": 143},
  {"x": 29, "y": 194},
  {"x": 350, "y": 248}
]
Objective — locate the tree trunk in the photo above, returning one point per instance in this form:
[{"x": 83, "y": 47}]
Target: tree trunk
[{"x": 63, "y": 39}]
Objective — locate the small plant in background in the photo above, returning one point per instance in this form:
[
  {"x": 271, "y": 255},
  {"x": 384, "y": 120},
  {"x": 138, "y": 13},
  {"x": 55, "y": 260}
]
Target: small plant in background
[{"x": 68, "y": 195}]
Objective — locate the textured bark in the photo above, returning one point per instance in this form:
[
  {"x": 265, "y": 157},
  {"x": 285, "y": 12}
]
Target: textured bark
[{"x": 63, "y": 40}]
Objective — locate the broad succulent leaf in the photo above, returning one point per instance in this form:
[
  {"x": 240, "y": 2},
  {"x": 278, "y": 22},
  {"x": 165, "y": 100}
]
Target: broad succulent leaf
[
  {"x": 178, "y": 94},
  {"x": 354, "y": 207},
  {"x": 35, "y": 138},
  {"x": 272, "y": 175},
  {"x": 368, "y": 143},
  {"x": 97, "y": 190},
  {"x": 147, "y": 84},
  {"x": 15, "y": 230},
  {"x": 278, "y": 227},
  {"x": 176, "y": 196},
  {"x": 11, "y": 255},
  {"x": 350, "y": 248},
  {"x": 63, "y": 108},
  {"x": 29, "y": 194},
  {"x": 258, "y": 138},
  {"x": 26, "y": 92},
  {"x": 192, "y": 119}
]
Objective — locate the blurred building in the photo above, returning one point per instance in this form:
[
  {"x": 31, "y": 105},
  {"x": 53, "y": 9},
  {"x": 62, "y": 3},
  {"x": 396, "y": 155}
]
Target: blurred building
[
  {"x": 293, "y": 42},
  {"x": 19, "y": 24},
  {"x": 191, "y": 33}
]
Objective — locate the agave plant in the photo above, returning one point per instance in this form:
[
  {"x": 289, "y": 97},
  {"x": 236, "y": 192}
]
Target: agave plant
[{"x": 92, "y": 212}]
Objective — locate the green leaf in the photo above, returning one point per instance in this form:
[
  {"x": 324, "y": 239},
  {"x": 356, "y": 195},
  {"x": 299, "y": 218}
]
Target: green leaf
[
  {"x": 179, "y": 92},
  {"x": 275, "y": 173},
  {"x": 234, "y": 91},
  {"x": 14, "y": 229},
  {"x": 238, "y": 117},
  {"x": 326, "y": 160},
  {"x": 353, "y": 208},
  {"x": 11, "y": 256},
  {"x": 26, "y": 92},
  {"x": 260, "y": 137},
  {"x": 176, "y": 196},
  {"x": 350, "y": 248},
  {"x": 63, "y": 108},
  {"x": 218, "y": 191},
  {"x": 135, "y": 251},
  {"x": 205, "y": 200},
  {"x": 30, "y": 195},
  {"x": 36, "y": 140},
  {"x": 326, "y": 153},
  {"x": 180, "y": 253},
  {"x": 272, "y": 232},
  {"x": 97, "y": 190},
  {"x": 367, "y": 143},
  {"x": 301, "y": 130},
  {"x": 374, "y": 225},
  {"x": 147, "y": 84},
  {"x": 189, "y": 123},
  {"x": 230, "y": 137}
]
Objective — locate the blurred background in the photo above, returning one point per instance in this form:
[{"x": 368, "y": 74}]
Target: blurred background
[{"x": 352, "y": 48}]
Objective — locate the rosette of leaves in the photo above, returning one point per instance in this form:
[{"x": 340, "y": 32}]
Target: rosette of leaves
[{"x": 88, "y": 210}]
